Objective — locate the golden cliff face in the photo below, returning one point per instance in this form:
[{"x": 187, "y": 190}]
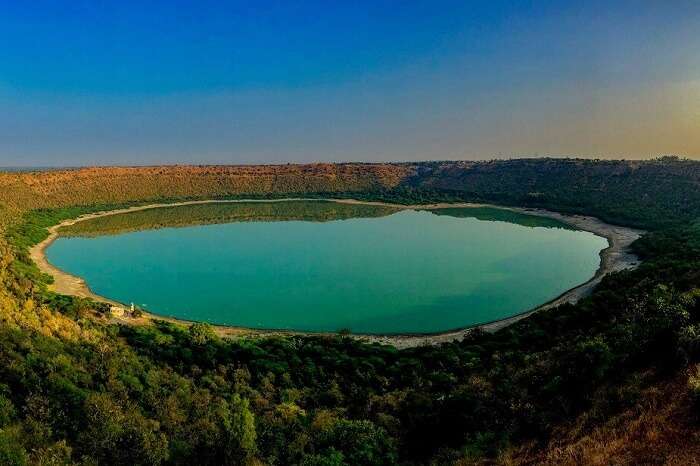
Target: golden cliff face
[{"x": 24, "y": 191}]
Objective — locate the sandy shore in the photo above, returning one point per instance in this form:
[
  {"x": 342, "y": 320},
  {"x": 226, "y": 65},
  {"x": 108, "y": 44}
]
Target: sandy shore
[{"x": 615, "y": 257}]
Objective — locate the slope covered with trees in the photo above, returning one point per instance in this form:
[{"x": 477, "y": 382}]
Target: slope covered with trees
[
  {"x": 75, "y": 388},
  {"x": 638, "y": 193}
]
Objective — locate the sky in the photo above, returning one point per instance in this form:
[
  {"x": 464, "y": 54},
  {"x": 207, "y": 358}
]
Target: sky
[{"x": 88, "y": 82}]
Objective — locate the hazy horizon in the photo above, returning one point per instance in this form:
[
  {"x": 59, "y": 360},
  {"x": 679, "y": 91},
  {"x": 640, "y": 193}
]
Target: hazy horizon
[
  {"x": 163, "y": 83},
  {"x": 11, "y": 168}
]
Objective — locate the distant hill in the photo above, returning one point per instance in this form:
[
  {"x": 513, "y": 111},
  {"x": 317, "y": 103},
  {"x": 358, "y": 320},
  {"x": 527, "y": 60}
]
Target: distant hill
[{"x": 639, "y": 193}]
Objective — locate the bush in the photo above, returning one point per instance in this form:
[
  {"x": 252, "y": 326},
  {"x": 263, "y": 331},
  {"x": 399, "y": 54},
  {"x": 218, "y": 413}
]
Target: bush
[
  {"x": 694, "y": 384},
  {"x": 201, "y": 333},
  {"x": 11, "y": 451}
]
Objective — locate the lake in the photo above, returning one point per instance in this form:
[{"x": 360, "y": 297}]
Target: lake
[{"x": 327, "y": 266}]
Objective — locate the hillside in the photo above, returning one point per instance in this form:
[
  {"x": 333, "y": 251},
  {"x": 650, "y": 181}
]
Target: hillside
[
  {"x": 61, "y": 188},
  {"x": 639, "y": 193},
  {"x": 569, "y": 385}
]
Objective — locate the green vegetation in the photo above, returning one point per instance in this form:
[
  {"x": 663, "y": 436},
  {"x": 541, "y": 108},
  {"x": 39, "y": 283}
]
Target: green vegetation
[
  {"x": 502, "y": 215},
  {"x": 202, "y": 214},
  {"x": 75, "y": 388}
]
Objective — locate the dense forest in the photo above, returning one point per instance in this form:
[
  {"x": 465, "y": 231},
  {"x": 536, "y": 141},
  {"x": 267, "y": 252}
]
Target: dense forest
[{"x": 613, "y": 379}]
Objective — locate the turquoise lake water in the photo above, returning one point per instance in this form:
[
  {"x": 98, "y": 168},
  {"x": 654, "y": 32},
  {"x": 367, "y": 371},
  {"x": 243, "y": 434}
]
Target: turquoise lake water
[{"x": 325, "y": 267}]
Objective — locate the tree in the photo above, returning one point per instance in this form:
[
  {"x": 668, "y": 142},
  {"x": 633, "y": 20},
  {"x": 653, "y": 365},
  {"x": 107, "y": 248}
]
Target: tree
[
  {"x": 7, "y": 411},
  {"x": 240, "y": 432},
  {"x": 201, "y": 333},
  {"x": 11, "y": 451},
  {"x": 359, "y": 442},
  {"x": 117, "y": 436}
]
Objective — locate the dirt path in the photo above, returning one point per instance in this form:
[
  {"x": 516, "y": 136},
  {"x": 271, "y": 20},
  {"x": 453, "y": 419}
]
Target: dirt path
[{"x": 615, "y": 257}]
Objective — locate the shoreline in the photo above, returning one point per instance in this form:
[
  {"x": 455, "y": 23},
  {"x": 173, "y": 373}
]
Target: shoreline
[{"x": 614, "y": 258}]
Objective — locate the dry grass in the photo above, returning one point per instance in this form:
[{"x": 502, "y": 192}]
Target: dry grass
[{"x": 661, "y": 429}]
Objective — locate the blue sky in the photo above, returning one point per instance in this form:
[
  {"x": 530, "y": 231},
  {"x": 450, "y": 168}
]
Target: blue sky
[{"x": 90, "y": 82}]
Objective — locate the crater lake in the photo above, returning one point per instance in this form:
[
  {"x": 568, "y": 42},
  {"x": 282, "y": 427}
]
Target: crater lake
[{"x": 328, "y": 266}]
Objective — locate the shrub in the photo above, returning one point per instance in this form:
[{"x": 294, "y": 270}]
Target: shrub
[{"x": 694, "y": 384}]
